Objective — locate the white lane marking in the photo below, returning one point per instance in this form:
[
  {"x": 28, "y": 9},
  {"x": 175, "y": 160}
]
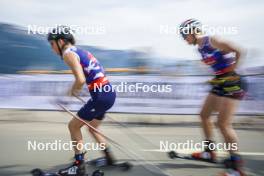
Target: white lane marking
[{"x": 220, "y": 153}]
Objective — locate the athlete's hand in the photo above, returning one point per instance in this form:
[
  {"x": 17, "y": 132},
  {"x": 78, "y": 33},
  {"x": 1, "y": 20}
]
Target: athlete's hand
[{"x": 74, "y": 92}]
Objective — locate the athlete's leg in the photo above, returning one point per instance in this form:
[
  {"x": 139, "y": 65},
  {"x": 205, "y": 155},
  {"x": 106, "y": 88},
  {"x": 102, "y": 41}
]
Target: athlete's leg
[
  {"x": 226, "y": 111},
  {"x": 76, "y": 136},
  {"x": 101, "y": 140},
  {"x": 75, "y": 126},
  {"x": 95, "y": 123},
  {"x": 210, "y": 105}
]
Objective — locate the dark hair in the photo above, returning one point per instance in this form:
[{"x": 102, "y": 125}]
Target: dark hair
[
  {"x": 71, "y": 41},
  {"x": 61, "y": 32}
]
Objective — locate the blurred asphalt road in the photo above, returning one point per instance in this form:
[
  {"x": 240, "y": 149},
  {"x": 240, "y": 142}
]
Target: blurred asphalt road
[{"x": 19, "y": 127}]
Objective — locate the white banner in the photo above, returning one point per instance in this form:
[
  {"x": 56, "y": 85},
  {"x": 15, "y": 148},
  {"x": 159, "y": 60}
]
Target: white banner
[{"x": 169, "y": 95}]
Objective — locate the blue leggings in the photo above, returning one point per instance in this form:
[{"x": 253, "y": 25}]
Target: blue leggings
[{"x": 101, "y": 100}]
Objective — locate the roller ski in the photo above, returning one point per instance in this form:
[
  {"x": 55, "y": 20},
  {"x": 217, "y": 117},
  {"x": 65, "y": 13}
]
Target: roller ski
[
  {"x": 76, "y": 169},
  {"x": 207, "y": 155},
  {"x": 199, "y": 156},
  {"x": 39, "y": 172},
  {"x": 104, "y": 162}
]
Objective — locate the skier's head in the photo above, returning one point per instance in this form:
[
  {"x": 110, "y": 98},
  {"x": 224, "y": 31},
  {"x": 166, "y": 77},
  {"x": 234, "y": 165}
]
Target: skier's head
[
  {"x": 189, "y": 29},
  {"x": 59, "y": 37}
]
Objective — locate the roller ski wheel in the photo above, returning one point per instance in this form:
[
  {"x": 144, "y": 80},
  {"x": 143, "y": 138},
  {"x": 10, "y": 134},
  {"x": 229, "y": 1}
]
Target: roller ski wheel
[
  {"x": 172, "y": 154},
  {"x": 124, "y": 166},
  {"x": 98, "y": 173},
  {"x": 37, "y": 172}
]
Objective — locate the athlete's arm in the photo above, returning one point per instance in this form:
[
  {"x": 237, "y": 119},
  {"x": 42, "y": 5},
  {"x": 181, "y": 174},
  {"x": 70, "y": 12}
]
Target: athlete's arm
[
  {"x": 226, "y": 48},
  {"x": 73, "y": 62}
]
